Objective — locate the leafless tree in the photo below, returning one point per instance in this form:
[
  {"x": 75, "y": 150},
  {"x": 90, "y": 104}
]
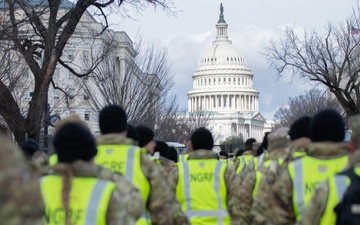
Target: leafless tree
[
  {"x": 140, "y": 84},
  {"x": 331, "y": 59},
  {"x": 39, "y": 31},
  {"x": 307, "y": 104}
]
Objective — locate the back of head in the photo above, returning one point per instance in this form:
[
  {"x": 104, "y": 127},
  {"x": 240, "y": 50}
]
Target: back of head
[
  {"x": 300, "y": 128},
  {"x": 248, "y": 144},
  {"x": 162, "y": 148},
  {"x": 202, "y": 139},
  {"x": 132, "y": 133},
  {"x": 327, "y": 125},
  {"x": 172, "y": 154},
  {"x": 112, "y": 119},
  {"x": 29, "y": 147},
  {"x": 145, "y": 135},
  {"x": 72, "y": 142},
  {"x": 278, "y": 139},
  {"x": 224, "y": 154},
  {"x": 239, "y": 152}
]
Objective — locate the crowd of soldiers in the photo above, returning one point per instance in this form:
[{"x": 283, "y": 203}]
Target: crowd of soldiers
[{"x": 304, "y": 174}]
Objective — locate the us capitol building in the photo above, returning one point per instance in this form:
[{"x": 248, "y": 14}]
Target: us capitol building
[{"x": 223, "y": 88}]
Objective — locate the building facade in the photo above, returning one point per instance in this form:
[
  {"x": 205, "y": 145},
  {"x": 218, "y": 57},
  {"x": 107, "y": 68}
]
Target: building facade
[{"x": 223, "y": 87}]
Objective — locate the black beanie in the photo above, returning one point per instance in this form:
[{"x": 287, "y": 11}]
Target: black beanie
[
  {"x": 327, "y": 125},
  {"x": 73, "y": 142},
  {"x": 132, "y": 132},
  {"x": 162, "y": 148},
  {"x": 172, "y": 154},
  {"x": 145, "y": 135},
  {"x": 300, "y": 128},
  {"x": 112, "y": 119},
  {"x": 248, "y": 144},
  {"x": 223, "y": 153},
  {"x": 202, "y": 139},
  {"x": 29, "y": 147}
]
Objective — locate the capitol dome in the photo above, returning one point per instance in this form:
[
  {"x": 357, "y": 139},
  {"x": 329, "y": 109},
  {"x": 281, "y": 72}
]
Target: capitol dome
[{"x": 223, "y": 87}]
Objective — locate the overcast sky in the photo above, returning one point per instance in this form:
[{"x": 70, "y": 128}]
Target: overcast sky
[{"x": 251, "y": 24}]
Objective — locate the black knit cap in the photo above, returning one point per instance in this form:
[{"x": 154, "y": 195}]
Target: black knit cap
[
  {"x": 202, "y": 139},
  {"x": 132, "y": 132},
  {"x": 74, "y": 142},
  {"x": 172, "y": 154},
  {"x": 112, "y": 119},
  {"x": 223, "y": 153},
  {"x": 327, "y": 125},
  {"x": 248, "y": 144},
  {"x": 300, "y": 128},
  {"x": 29, "y": 147},
  {"x": 162, "y": 148},
  {"x": 145, "y": 135}
]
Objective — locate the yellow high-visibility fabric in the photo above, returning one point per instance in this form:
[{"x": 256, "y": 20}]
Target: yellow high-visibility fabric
[
  {"x": 89, "y": 200},
  {"x": 243, "y": 160},
  {"x": 53, "y": 159},
  {"x": 306, "y": 173},
  {"x": 201, "y": 191},
  {"x": 183, "y": 157},
  {"x": 125, "y": 159},
  {"x": 337, "y": 188}
]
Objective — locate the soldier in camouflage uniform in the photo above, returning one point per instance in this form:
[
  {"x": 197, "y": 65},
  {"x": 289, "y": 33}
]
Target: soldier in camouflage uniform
[
  {"x": 75, "y": 148},
  {"x": 299, "y": 136},
  {"x": 21, "y": 201},
  {"x": 321, "y": 209},
  {"x": 327, "y": 155},
  {"x": 160, "y": 203},
  {"x": 202, "y": 143},
  {"x": 167, "y": 164},
  {"x": 251, "y": 186}
]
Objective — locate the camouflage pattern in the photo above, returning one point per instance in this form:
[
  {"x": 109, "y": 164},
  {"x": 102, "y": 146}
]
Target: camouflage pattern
[
  {"x": 21, "y": 201},
  {"x": 279, "y": 201},
  {"x": 162, "y": 203},
  {"x": 317, "y": 205},
  {"x": 166, "y": 164},
  {"x": 126, "y": 204},
  {"x": 40, "y": 162},
  {"x": 232, "y": 183},
  {"x": 278, "y": 143}
]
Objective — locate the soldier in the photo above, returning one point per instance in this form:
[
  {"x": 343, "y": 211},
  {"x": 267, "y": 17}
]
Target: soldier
[
  {"x": 206, "y": 188},
  {"x": 74, "y": 185},
  {"x": 21, "y": 201},
  {"x": 223, "y": 157},
  {"x": 37, "y": 159},
  {"x": 327, "y": 155},
  {"x": 116, "y": 152},
  {"x": 251, "y": 186},
  {"x": 299, "y": 135},
  {"x": 163, "y": 149},
  {"x": 247, "y": 156},
  {"x": 330, "y": 192}
]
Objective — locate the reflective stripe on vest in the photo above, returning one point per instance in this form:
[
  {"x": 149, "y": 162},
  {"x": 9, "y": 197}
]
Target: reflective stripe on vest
[
  {"x": 89, "y": 199},
  {"x": 337, "y": 187},
  {"x": 126, "y": 160},
  {"x": 306, "y": 173},
  {"x": 195, "y": 213},
  {"x": 243, "y": 160}
]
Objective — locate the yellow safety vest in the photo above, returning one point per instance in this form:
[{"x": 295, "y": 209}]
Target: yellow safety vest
[
  {"x": 53, "y": 159},
  {"x": 245, "y": 159},
  {"x": 89, "y": 200},
  {"x": 125, "y": 159},
  {"x": 201, "y": 191},
  {"x": 306, "y": 173},
  {"x": 183, "y": 157}
]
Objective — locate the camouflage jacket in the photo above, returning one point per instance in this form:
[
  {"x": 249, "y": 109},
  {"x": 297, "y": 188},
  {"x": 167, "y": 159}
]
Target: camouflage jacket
[
  {"x": 317, "y": 205},
  {"x": 126, "y": 204},
  {"x": 21, "y": 201},
  {"x": 166, "y": 164},
  {"x": 162, "y": 204},
  {"x": 250, "y": 180},
  {"x": 40, "y": 162},
  {"x": 232, "y": 183},
  {"x": 280, "y": 200}
]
